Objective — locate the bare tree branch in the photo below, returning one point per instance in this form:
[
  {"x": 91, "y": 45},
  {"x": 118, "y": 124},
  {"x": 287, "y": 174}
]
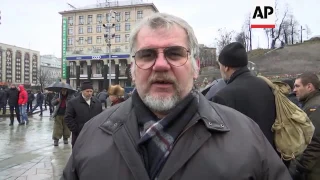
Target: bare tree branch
[{"x": 225, "y": 38}]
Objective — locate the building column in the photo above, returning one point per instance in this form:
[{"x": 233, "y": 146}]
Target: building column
[
  {"x": 128, "y": 73},
  {"x": 117, "y": 71},
  {"x": 68, "y": 72},
  {"x": 105, "y": 74},
  {"x": 89, "y": 71},
  {"x": 78, "y": 74}
]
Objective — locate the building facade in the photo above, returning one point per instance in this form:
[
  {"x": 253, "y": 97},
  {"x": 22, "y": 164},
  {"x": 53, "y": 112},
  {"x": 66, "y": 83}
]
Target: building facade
[
  {"x": 86, "y": 55},
  {"x": 208, "y": 56},
  {"x": 50, "y": 69},
  {"x": 18, "y": 65}
]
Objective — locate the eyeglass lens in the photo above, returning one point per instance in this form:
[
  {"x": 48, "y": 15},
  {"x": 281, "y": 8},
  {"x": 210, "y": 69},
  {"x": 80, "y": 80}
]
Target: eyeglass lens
[{"x": 175, "y": 55}]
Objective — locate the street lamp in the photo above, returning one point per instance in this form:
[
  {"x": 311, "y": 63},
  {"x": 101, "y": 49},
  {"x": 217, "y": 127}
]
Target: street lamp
[{"x": 108, "y": 38}]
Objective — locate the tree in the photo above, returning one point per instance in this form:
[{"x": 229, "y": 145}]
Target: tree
[
  {"x": 276, "y": 32},
  {"x": 225, "y": 38},
  {"x": 267, "y": 31},
  {"x": 43, "y": 77},
  {"x": 308, "y": 31},
  {"x": 293, "y": 28},
  {"x": 247, "y": 32},
  {"x": 241, "y": 38}
]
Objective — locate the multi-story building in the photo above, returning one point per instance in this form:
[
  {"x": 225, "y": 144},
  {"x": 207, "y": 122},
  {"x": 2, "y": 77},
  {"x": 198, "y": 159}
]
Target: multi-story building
[
  {"x": 85, "y": 52},
  {"x": 50, "y": 69},
  {"x": 208, "y": 56},
  {"x": 18, "y": 65}
]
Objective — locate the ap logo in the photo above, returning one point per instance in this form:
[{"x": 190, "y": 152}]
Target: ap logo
[{"x": 263, "y": 14}]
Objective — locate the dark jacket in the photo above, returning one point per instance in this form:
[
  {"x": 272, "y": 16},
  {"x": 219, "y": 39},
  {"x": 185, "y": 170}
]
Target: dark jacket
[
  {"x": 13, "y": 96},
  {"x": 3, "y": 97},
  {"x": 218, "y": 143},
  {"x": 54, "y": 102},
  {"x": 251, "y": 96},
  {"x": 30, "y": 97},
  {"x": 78, "y": 112},
  {"x": 102, "y": 96},
  {"x": 309, "y": 162},
  {"x": 40, "y": 98}
]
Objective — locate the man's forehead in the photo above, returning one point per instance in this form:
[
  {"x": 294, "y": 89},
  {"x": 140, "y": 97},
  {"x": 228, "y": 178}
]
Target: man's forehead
[{"x": 146, "y": 36}]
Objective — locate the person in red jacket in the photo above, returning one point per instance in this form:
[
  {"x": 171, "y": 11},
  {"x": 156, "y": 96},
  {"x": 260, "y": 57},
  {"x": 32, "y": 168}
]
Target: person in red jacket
[{"x": 22, "y": 102}]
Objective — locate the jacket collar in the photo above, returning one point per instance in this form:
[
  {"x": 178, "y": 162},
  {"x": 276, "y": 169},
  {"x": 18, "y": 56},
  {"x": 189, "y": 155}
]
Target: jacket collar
[
  {"x": 206, "y": 113},
  {"x": 84, "y": 101},
  {"x": 237, "y": 73},
  {"x": 310, "y": 96}
]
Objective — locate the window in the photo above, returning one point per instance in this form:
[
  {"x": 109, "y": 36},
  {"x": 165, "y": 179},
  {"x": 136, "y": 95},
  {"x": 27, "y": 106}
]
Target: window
[
  {"x": 99, "y": 17},
  {"x": 82, "y": 66},
  {"x": 72, "y": 69},
  {"x": 70, "y": 31},
  {"x": 89, "y": 19},
  {"x": 70, "y": 20},
  {"x": 139, "y": 15},
  {"x": 70, "y": 41},
  {"x": 118, "y": 49},
  {"x": 98, "y": 28},
  {"x": 117, "y": 37},
  {"x": 127, "y": 16},
  {"x": 89, "y": 40},
  {"x": 108, "y": 17},
  {"x": 118, "y": 18},
  {"x": 81, "y": 20},
  {"x": 127, "y": 37},
  {"x": 99, "y": 68},
  {"x": 81, "y": 30},
  {"x": 69, "y": 49},
  {"x": 117, "y": 27},
  {"x": 89, "y": 29},
  {"x": 80, "y": 40},
  {"x": 127, "y": 27},
  {"x": 99, "y": 39}
]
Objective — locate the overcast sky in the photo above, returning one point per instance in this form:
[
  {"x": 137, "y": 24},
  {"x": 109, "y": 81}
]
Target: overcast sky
[{"x": 36, "y": 24}]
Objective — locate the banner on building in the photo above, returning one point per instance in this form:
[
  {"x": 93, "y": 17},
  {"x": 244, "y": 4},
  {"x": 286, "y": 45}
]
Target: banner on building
[{"x": 64, "y": 48}]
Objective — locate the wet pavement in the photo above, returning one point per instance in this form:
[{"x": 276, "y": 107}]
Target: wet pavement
[{"x": 27, "y": 151}]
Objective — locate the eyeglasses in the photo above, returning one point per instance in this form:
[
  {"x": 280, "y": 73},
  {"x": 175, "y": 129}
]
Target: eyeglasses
[{"x": 175, "y": 56}]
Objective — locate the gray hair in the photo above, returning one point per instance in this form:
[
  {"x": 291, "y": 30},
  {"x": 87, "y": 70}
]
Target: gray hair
[{"x": 163, "y": 20}]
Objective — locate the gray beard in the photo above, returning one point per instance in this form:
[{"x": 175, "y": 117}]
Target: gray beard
[{"x": 160, "y": 104}]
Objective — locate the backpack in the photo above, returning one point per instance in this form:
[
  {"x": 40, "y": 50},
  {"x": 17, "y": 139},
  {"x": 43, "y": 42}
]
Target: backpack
[{"x": 292, "y": 127}]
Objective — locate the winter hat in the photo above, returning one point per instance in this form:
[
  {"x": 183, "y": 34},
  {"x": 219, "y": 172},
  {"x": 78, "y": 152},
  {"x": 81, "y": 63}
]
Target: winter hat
[
  {"x": 116, "y": 90},
  {"x": 234, "y": 55},
  {"x": 86, "y": 85}
]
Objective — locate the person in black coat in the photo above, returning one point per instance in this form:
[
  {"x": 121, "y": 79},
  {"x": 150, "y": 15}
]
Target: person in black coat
[
  {"x": 81, "y": 109},
  {"x": 30, "y": 100},
  {"x": 3, "y": 100},
  {"x": 245, "y": 92},
  {"x": 39, "y": 101},
  {"x": 13, "y": 96}
]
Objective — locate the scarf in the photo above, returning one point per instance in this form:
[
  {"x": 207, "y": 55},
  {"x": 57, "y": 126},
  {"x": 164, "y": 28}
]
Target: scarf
[{"x": 158, "y": 135}]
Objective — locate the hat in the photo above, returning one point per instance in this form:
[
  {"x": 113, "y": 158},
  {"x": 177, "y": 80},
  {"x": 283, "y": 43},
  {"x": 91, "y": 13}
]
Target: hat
[
  {"x": 116, "y": 90},
  {"x": 234, "y": 55},
  {"x": 86, "y": 85}
]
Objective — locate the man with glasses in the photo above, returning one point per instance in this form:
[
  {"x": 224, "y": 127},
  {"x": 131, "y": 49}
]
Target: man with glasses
[{"x": 167, "y": 129}]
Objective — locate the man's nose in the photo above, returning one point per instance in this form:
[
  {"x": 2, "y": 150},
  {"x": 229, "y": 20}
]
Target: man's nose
[{"x": 161, "y": 63}]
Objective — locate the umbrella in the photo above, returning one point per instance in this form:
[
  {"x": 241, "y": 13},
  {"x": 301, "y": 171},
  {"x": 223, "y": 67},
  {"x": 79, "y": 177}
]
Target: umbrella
[{"x": 57, "y": 86}]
